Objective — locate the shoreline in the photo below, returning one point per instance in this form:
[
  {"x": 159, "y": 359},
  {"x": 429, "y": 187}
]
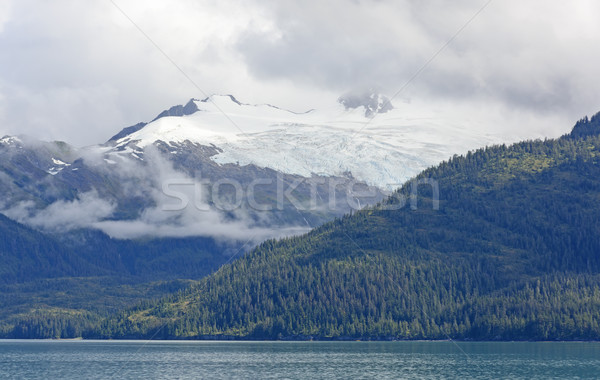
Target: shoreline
[{"x": 293, "y": 340}]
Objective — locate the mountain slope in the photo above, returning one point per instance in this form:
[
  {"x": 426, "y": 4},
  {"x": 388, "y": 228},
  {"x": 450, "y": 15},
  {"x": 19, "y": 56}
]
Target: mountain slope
[
  {"x": 365, "y": 136},
  {"x": 38, "y": 255},
  {"x": 511, "y": 253},
  {"x": 325, "y": 159},
  {"x": 126, "y": 178},
  {"x": 99, "y": 230},
  {"x": 102, "y": 232},
  {"x": 74, "y": 281}
]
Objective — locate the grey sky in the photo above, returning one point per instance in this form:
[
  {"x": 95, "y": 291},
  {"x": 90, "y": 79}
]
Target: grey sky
[{"x": 79, "y": 71}]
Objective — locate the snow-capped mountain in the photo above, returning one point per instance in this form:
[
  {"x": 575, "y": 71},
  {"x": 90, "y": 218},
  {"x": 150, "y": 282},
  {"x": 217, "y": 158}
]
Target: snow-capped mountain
[
  {"x": 365, "y": 137},
  {"x": 213, "y": 167},
  {"x": 197, "y": 187}
]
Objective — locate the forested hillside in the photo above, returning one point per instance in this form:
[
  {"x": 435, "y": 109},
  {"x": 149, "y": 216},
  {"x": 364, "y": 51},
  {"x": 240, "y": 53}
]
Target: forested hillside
[
  {"x": 53, "y": 288},
  {"x": 512, "y": 251}
]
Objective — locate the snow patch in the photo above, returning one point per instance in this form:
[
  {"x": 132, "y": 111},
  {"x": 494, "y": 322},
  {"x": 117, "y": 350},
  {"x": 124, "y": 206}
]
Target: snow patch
[
  {"x": 60, "y": 165},
  {"x": 59, "y": 162},
  {"x": 9, "y": 140}
]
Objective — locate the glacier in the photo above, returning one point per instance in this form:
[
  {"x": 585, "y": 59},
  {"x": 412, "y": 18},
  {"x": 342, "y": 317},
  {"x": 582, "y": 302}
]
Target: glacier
[{"x": 384, "y": 150}]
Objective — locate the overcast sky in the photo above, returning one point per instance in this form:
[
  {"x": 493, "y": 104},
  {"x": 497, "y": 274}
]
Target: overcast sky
[{"x": 80, "y": 71}]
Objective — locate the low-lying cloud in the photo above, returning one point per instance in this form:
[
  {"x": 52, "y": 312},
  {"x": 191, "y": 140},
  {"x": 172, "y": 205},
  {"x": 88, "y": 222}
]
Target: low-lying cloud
[
  {"x": 62, "y": 216},
  {"x": 89, "y": 210},
  {"x": 81, "y": 71}
]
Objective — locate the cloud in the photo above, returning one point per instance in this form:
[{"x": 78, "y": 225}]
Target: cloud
[
  {"x": 202, "y": 223},
  {"x": 170, "y": 218},
  {"x": 63, "y": 216},
  {"x": 534, "y": 56},
  {"x": 81, "y": 72},
  {"x": 5, "y": 13},
  {"x": 167, "y": 217}
]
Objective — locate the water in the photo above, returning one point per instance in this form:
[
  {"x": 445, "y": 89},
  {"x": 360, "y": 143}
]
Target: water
[{"x": 20, "y": 359}]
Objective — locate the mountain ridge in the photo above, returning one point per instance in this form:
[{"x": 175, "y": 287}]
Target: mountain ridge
[
  {"x": 382, "y": 151},
  {"x": 511, "y": 254},
  {"x": 104, "y": 205}
]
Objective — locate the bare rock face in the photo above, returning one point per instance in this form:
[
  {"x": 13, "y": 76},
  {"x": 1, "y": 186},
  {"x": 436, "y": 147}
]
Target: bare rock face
[{"x": 372, "y": 102}]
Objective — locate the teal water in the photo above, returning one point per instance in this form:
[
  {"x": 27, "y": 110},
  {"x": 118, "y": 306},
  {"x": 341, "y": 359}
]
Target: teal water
[{"x": 20, "y": 359}]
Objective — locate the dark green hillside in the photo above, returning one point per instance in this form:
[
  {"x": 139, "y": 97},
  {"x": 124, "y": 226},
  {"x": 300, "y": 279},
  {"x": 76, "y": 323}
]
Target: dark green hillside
[
  {"x": 513, "y": 252},
  {"x": 39, "y": 256},
  {"x": 60, "y": 287}
]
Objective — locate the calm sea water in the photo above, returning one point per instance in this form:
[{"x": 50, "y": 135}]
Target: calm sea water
[{"x": 32, "y": 359}]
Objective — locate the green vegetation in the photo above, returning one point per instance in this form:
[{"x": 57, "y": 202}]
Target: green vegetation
[
  {"x": 513, "y": 253},
  {"x": 51, "y": 288},
  {"x": 68, "y": 307}
]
